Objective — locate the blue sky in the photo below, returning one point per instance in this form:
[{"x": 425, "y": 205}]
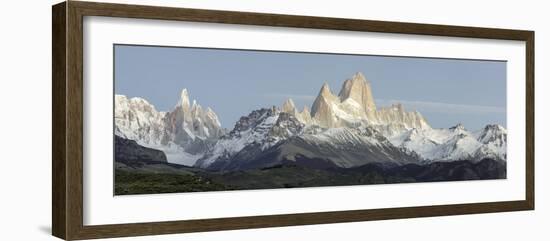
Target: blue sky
[{"x": 235, "y": 82}]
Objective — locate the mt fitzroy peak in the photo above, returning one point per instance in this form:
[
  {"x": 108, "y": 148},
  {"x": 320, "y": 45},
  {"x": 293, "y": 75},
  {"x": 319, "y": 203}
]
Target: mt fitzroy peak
[{"x": 355, "y": 105}]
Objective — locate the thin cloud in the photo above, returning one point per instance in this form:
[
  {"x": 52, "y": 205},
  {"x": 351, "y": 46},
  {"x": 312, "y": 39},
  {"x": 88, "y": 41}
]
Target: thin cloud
[
  {"x": 439, "y": 107},
  {"x": 292, "y": 96},
  {"x": 422, "y": 106}
]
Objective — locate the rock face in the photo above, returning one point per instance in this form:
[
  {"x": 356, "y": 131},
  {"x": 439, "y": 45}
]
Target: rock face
[
  {"x": 322, "y": 110},
  {"x": 289, "y": 107},
  {"x": 355, "y": 106},
  {"x": 358, "y": 89},
  {"x": 183, "y": 133},
  {"x": 304, "y": 116},
  {"x": 128, "y": 151},
  {"x": 190, "y": 126},
  {"x": 252, "y": 134}
]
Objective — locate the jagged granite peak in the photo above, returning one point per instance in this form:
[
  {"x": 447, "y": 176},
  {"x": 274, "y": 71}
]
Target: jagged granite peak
[
  {"x": 266, "y": 119},
  {"x": 189, "y": 123},
  {"x": 212, "y": 117},
  {"x": 321, "y": 110},
  {"x": 252, "y": 120},
  {"x": 324, "y": 93},
  {"x": 195, "y": 108},
  {"x": 305, "y": 116},
  {"x": 183, "y": 133},
  {"x": 355, "y": 105},
  {"x": 287, "y": 125},
  {"x": 289, "y": 106},
  {"x": 137, "y": 119},
  {"x": 258, "y": 131},
  {"x": 358, "y": 89},
  {"x": 325, "y": 90},
  {"x": 492, "y": 133},
  {"x": 184, "y": 100}
]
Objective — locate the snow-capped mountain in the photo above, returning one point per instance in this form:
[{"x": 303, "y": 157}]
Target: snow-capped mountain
[
  {"x": 252, "y": 134},
  {"x": 269, "y": 137},
  {"x": 355, "y": 105},
  {"x": 347, "y": 130},
  {"x": 137, "y": 119},
  {"x": 183, "y": 133},
  {"x": 343, "y": 147},
  {"x": 344, "y": 130},
  {"x": 192, "y": 127},
  {"x": 493, "y": 137},
  {"x": 455, "y": 143}
]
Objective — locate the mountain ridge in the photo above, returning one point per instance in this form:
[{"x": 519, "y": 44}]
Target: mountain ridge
[
  {"x": 182, "y": 133},
  {"x": 354, "y": 105},
  {"x": 346, "y": 130}
]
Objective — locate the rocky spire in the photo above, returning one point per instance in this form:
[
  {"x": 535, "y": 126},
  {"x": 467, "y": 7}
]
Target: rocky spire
[
  {"x": 184, "y": 98},
  {"x": 358, "y": 89},
  {"x": 210, "y": 114},
  {"x": 184, "y": 102},
  {"x": 322, "y": 112},
  {"x": 325, "y": 90},
  {"x": 305, "y": 116},
  {"x": 324, "y": 99},
  {"x": 190, "y": 120},
  {"x": 289, "y": 107},
  {"x": 196, "y": 110}
]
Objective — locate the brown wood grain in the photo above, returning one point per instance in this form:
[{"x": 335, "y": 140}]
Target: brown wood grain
[
  {"x": 74, "y": 121},
  {"x": 58, "y": 121},
  {"x": 530, "y": 120},
  {"x": 67, "y": 119},
  {"x": 154, "y": 228}
]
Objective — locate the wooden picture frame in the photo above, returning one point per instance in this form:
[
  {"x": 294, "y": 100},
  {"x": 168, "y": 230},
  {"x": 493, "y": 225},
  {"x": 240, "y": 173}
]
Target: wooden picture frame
[{"x": 67, "y": 124}]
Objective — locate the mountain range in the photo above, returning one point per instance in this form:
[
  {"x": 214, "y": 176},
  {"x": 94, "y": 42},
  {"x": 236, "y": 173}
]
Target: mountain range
[
  {"x": 343, "y": 130},
  {"x": 182, "y": 133}
]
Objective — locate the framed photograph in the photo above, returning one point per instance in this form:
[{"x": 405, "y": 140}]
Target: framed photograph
[{"x": 171, "y": 120}]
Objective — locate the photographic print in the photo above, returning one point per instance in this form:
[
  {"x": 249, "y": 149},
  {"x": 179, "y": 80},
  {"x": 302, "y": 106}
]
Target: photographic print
[{"x": 201, "y": 119}]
